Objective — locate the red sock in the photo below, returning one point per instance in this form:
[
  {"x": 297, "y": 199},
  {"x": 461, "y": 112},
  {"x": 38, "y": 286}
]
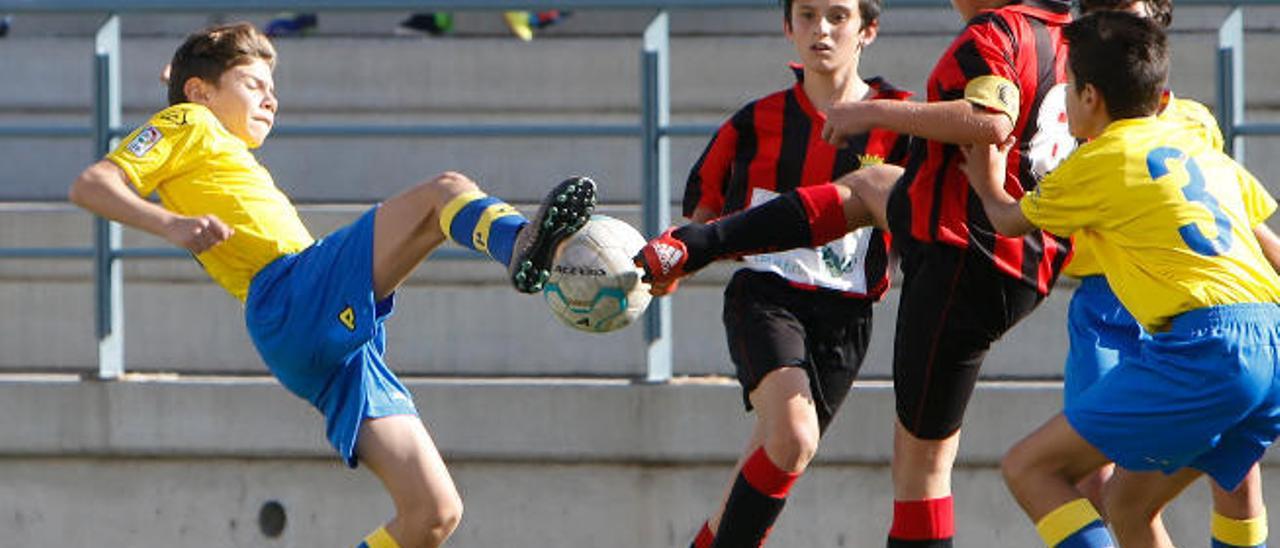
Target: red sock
[
  {"x": 755, "y": 501},
  {"x": 930, "y": 520},
  {"x": 825, "y": 211},
  {"x": 705, "y": 537}
]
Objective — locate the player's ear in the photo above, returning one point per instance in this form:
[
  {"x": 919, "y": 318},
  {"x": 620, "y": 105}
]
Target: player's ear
[
  {"x": 869, "y": 33},
  {"x": 1091, "y": 98},
  {"x": 196, "y": 90}
]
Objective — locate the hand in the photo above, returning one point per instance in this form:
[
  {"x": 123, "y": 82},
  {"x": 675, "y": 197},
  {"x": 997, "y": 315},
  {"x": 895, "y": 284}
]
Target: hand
[
  {"x": 984, "y": 165},
  {"x": 845, "y": 120},
  {"x": 197, "y": 234}
]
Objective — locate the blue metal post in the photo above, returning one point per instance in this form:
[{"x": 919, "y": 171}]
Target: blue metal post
[
  {"x": 1231, "y": 82},
  {"x": 108, "y": 282},
  {"x": 656, "y": 113}
]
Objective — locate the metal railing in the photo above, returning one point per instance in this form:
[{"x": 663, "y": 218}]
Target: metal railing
[{"x": 654, "y": 128}]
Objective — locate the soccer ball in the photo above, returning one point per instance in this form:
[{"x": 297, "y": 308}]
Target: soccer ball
[{"x": 594, "y": 286}]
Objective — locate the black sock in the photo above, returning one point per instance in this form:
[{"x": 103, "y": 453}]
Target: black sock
[
  {"x": 778, "y": 224},
  {"x": 748, "y": 516}
]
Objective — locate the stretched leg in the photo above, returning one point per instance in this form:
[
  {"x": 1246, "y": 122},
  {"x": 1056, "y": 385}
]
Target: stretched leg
[
  {"x": 869, "y": 195},
  {"x": 806, "y": 217},
  {"x": 413, "y": 223},
  {"x": 1041, "y": 472},
  {"x": 1240, "y": 516},
  {"x": 407, "y": 228},
  {"x": 785, "y": 441},
  {"x": 400, "y": 452},
  {"x": 1135, "y": 501}
]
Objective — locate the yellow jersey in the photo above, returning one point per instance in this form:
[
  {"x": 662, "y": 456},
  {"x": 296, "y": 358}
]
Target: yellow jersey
[
  {"x": 185, "y": 155},
  {"x": 1198, "y": 118},
  {"x": 1169, "y": 218}
]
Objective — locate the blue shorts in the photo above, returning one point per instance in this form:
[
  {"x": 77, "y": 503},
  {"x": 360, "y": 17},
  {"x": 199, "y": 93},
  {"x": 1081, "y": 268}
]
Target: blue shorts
[
  {"x": 1100, "y": 332},
  {"x": 1203, "y": 394},
  {"x": 313, "y": 317}
]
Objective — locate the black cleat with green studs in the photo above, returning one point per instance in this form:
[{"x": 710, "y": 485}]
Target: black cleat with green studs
[{"x": 563, "y": 212}]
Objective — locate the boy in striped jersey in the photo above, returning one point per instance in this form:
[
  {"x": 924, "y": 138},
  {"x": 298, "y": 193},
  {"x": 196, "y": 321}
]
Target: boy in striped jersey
[
  {"x": 798, "y": 322},
  {"x": 964, "y": 286}
]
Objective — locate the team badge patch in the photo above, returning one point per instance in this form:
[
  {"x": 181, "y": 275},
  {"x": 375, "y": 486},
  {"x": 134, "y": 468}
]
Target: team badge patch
[
  {"x": 145, "y": 141},
  {"x": 865, "y": 160},
  {"x": 348, "y": 318}
]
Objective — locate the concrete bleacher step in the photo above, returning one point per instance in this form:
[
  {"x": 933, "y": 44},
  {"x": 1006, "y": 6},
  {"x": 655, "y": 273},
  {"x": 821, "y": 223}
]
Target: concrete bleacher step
[
  {"x": 481, "y": 80},
  {"x": 157, "y": 461}
]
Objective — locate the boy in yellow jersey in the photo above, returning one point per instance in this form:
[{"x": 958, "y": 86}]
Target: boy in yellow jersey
[
  {"x": 315, "y": 308},
  {"x": 1170, "y": 221},
  {"x": 1100, "y": 330}
]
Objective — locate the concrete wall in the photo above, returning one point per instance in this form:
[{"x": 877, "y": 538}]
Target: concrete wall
[{"x": 164, "y": 461}]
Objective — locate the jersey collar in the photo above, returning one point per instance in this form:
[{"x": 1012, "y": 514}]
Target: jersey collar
[{"x": 880, "y": 89}]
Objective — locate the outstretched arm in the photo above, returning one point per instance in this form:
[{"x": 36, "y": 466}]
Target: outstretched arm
[
  {"x": 104, "y": 189},
  {"x": 958, "y": 121},
  {"x": 984, "y": 165}
]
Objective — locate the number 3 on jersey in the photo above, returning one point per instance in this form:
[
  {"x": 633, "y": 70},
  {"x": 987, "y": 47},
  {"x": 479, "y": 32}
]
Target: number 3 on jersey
[{"x": 1194, "y": 191}]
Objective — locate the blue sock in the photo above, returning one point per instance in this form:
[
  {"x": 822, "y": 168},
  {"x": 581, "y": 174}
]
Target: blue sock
[{"x": 482, "y": 223}]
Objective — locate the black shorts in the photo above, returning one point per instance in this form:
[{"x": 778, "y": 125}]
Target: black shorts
[
  {"x": 954, "y": 304},
  {"x": 770, "y": 325}
]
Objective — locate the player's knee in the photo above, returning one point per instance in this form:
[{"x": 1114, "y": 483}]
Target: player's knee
[
  {"x": 793, "y": 448},
  {"x": 435, "y": 522},
  {"x": 446, "y": 185},
  {"x": 1016, "y": 464}
]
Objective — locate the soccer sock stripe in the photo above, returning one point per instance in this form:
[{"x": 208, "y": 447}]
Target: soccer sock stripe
[
  {"x": 482, "y": 223},
  {"x": 1075, "y": 524},
  {"x": 705, "y": 537},
  {"x": 931, "y": 521},
  {"x": 1238, "y": 533},
  {"x": 765, "y": 476},
  {"x": 756, "y": 500},
  {"x": 379, "y": 539},
  {"x": 825, "y": 211}
]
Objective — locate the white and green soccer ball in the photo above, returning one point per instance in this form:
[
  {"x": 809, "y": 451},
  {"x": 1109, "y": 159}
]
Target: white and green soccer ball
[{"x": 594, "y": 286}]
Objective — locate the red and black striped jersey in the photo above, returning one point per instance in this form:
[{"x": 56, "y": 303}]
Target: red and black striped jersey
[
  {"x": 1020, "y": 43},
  {"x": 774, "y": 145}
]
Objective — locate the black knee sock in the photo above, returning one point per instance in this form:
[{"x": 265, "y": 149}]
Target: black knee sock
[
  {"x": 756, "y": 500},
  {"x": 781, "y": 223}
]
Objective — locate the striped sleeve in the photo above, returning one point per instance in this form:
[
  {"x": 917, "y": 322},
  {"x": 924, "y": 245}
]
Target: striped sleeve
[
  {"x": 980, "y": 67},
  {"x": 706, "y": 185}
]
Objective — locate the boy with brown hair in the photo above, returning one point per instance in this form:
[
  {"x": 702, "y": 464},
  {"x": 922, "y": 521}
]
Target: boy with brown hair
[
  {"x": 798, "y": 323},
  {"x": 1102, "y": 333},
  {"x": 1172, "y": 222},
  {"x": 315, "y": 308}
]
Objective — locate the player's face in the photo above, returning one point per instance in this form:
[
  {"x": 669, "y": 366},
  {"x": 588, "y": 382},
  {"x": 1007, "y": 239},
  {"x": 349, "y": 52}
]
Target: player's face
[
  {"x": 1081, "y": 110},
  {"x": 828, "y": 34},
  {"x": 245, "y": 101}
]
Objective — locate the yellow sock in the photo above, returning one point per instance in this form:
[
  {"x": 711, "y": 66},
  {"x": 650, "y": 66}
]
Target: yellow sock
[
  {"x": 379, "y": 539},
  {"x": 1075, "y": 524},
  {"x": 1235, "y": 533}
]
